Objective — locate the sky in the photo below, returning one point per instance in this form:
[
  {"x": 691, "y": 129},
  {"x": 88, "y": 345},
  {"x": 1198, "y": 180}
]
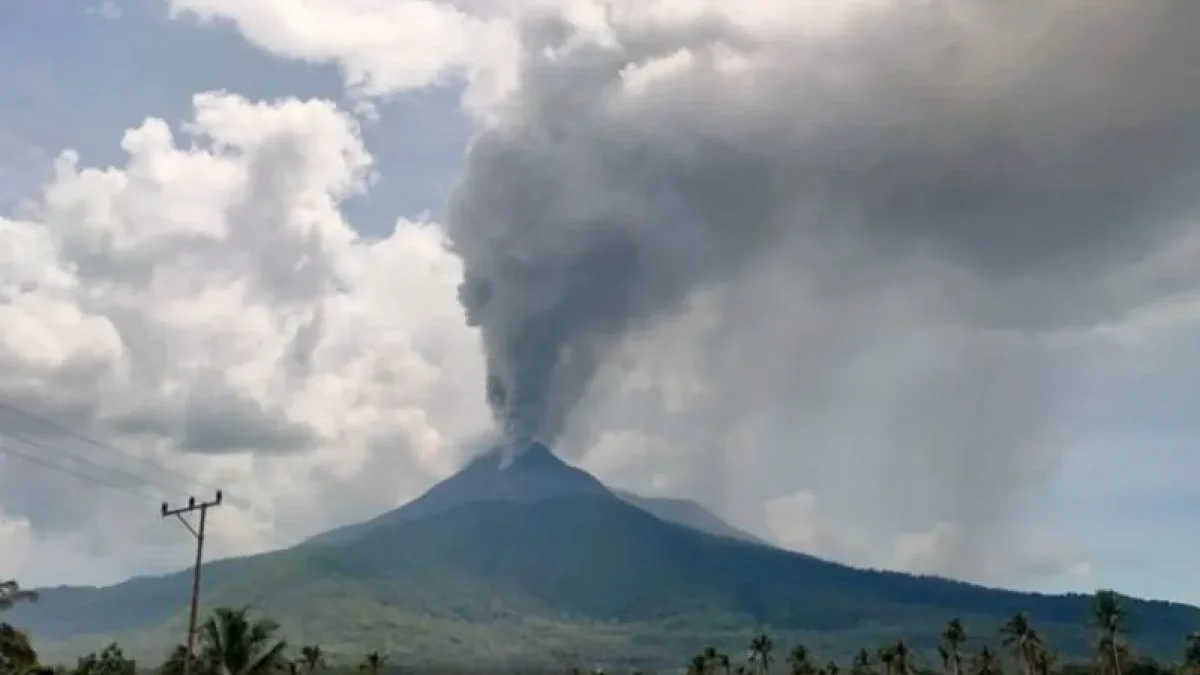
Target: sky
[{"x": 917, "y": 282}]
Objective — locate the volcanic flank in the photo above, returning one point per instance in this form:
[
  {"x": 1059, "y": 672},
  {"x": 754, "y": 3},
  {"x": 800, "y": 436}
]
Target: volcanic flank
[
  {"x": 532, "y": 475},
  {"x": 524, "y": 555}
]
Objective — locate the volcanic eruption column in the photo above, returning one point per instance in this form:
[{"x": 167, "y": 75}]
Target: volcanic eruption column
[{"x": 602, "y": 196}]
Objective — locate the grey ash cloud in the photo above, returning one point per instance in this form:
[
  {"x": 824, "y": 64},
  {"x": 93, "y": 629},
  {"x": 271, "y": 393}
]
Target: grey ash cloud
[{"x": 1024, "y": 159}]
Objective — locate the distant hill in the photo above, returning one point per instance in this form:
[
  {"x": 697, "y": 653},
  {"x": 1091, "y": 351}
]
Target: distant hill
[
  {"x": 687, "y": 513},
  {"x": 517, "y": 562}
]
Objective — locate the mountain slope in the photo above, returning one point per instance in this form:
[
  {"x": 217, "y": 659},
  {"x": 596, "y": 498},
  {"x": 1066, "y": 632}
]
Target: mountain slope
[
  {"x": 637, "y": 568},
  {"x": 538, "y": 556},
  {"x": 687, "y": 513},
  {"x": 533, "y": 475}
]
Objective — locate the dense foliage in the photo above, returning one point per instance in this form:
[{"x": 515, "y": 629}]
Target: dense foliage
[{"x": 233, "y": 642}]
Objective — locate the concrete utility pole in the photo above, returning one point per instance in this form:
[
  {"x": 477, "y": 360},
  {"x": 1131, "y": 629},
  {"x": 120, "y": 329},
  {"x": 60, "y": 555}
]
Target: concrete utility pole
[{"x": 203, "y": 508}]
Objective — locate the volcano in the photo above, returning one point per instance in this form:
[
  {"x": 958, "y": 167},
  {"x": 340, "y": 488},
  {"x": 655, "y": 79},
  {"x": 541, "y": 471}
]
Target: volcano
[
  {"x": 531, "y": 476},
  {"x": 534, "y": 475},
  {"x": 512, "y": 561}
]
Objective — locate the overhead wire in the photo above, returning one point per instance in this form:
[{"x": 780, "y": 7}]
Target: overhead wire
[
  {"x": 99, "y": 445},
  {"x": 105, "y": 447},
  {"x": 9, "y": 450},
  {"x": 81, "y": 459}
]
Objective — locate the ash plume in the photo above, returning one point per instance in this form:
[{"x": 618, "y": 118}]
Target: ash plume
[{"x": 1012, "y": 166}]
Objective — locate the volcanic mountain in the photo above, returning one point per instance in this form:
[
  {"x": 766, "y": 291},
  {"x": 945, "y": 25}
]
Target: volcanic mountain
[
  {"x": 517, "y": 560},
  {"x": 532, "y": 476}
]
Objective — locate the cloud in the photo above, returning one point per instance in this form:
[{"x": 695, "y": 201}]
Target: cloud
[
  {"x": 107, "y": 9},
  {"x": 883, "y": 246},
  {"x": 381, "y": 47},
  {"x": 797, "y": 525},
  {"x": 797, "y": 522},
  {"x": 207, "y": 308},
  {"x": 874, "y": 256},
  {"x": 781, "y": 246},
  {"x": 943, "y": 550}
]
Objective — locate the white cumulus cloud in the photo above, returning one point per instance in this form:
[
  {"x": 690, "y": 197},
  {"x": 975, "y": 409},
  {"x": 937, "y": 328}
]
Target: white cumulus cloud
[{"x": 206, "y": 307}]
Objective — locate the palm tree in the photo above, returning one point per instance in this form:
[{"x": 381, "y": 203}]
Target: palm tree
[
  {"x": 1105, "y": 655},
  {"x": 373, "y": 662},
  {"x": 953, "y": 637},
  {"x": 887, "y": 656},
  {"x": 1191, "y": 655},
  {"x": 760, "y": 652},
  {"x": 174, "y": 663},
  {"x": 11, "y": 593},
  {"x": 712, "y": 658},
  {"x": 1020, "y": 636},
  {"x": 799, "y": 661},
  {"x": 862, "y": 664},
  {"x": 902, "y": 659},
  {"x": 987, "y": 663},
  {"x": 1109, "y": 616},
  {"x": 698, "y": 666},
  {"x": 832, "y": 668},
  {"x": 313, "y": 658},
  {"x": 718, "y": 659},
  {"x": 110, "y": 661},
  {"x": 232, "y": 644},
  {"x": 16, "y": 653},
  {"x": 1043, "y": 662}
]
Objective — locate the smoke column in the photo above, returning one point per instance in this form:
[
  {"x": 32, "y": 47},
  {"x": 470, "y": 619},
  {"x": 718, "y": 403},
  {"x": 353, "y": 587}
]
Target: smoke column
[{"x": 1016, "y": 159}]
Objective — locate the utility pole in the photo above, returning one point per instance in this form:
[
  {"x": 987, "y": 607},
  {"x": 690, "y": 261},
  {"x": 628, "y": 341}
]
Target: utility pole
[{"x": 203, "y": 508}]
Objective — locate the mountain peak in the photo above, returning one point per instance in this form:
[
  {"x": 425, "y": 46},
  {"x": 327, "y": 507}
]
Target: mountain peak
[
  {"x": 530, "y": 474},
  {"x": 498, "y": 474},
  {"x": 505, "y": 458},
  {"x": 537, "y": 454}
]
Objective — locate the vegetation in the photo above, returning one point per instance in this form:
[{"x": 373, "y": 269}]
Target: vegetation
[
  {"x": 598, "y": 579},
  {"x": 577, "y": 575},
  {"x": 233, "y": 642}
]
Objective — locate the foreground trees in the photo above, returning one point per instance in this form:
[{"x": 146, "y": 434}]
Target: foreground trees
[
  {"x": 950, "y": 650},
  {"x": 233, "y": 642},
  {"x": 374, "y": 661},
  {"x": 16, "y": 654},
  {"x": 1109, "y": 617},
  {"x": 1018, "y": 640}
]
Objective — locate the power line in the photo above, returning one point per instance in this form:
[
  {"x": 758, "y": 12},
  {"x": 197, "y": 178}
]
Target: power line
[
  {"x": 8, "y": 407},
  {"x": 10, "y": 451},
  {"x": 138, "y": 478},
  {"x": 101, "y": 445}
]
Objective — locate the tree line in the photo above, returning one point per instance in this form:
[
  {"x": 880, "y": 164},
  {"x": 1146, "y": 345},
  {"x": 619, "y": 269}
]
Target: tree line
[{"x": 232, "y": 642}]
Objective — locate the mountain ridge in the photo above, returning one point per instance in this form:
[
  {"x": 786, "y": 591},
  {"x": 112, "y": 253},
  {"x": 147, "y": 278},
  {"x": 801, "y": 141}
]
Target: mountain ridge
[
  {"x": 567, "y": 562},
  {"x": 689, "y": 514}
]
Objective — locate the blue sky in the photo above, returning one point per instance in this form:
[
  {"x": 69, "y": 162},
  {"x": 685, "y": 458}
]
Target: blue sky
[
  {"x": 96, "y": 79},
  {"x": 1110, "y": 504}
]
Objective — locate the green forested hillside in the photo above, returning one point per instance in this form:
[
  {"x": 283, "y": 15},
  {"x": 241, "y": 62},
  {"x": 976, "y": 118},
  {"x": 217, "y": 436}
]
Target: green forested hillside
[
  {"x": 586, "y": 574},
  {"x": 242, "y": 641}
]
